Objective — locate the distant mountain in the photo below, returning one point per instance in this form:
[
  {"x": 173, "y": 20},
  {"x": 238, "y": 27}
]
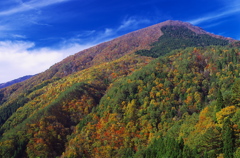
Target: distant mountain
[
  {"x": 168, "y": 90},
  {"x": 3, "y": 85}
]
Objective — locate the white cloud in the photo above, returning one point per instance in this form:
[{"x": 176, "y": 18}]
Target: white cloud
[
  {"x": 86, "y": 33},
  {"x": 21, "y": 15},
  {"x": 107, "y": 33},
  {"x": 132, "y": 22},
  {"x": 33, "y": 4},
  {"x": 18, "y": 36},
  {"x": 18, "y": 58},
  {"x": 129, "y": 24},
  {"x": 230, "y": 10}
]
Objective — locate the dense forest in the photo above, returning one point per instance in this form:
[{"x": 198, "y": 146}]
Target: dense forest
[
  {"x": 182, "y": 103},
  {"x": 176, "y": 37}
]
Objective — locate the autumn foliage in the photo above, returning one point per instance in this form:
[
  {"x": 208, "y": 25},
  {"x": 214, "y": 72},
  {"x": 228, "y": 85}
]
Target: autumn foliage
[{"x": 110, "y": 102}]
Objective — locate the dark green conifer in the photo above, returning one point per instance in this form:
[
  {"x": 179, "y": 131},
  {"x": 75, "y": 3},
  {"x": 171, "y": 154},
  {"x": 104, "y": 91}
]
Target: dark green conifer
[
  {"x": 220, "y": 103},
  {"x": 228, "y": 140}
]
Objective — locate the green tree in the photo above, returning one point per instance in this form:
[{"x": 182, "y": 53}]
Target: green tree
[
  {"x": 228, "y": 139},
  {"x": 220, "y": 101}
]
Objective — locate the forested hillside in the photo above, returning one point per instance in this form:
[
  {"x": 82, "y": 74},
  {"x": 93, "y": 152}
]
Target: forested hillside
[
  {"x": 185, "y": 104},
  {"x": 112, "y": 101}
]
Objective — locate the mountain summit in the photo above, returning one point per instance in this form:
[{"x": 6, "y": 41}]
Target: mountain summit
[
  {"x": 116, "y": 48},
  {"x": 168, "y": 90}
]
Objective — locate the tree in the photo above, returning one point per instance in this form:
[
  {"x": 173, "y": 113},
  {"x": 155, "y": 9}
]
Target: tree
[
  {"x": 220, "y": 100},
  {"x": 228, "y": 139},
  {"x": 236, "y": 92}
]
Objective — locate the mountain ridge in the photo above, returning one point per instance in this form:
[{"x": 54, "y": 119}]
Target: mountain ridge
[
  {"x": 150, "y": 34},
  {"x": 9, "y": 83},
  {"x": 95, "y": 54}
]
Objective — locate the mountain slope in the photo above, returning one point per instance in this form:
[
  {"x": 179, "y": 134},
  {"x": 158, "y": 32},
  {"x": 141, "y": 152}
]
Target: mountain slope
[
  {"x": 108, "y": 51},
  {"x": 101, "y": 53},
  {"x": 176, "y": 100},
  {"x": 105, "y": 52},
  {"x": 107, "y": 101}
]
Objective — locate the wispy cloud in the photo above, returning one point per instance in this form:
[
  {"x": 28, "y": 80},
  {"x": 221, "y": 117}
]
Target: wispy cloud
[
  {"x": 214, "y": 24},
  {"x": 229, "y": 10},
  {"x": 19, "y": 58},
  {"x": 86, "y": 33},
  {"x": 20, "y": 15},
  {"x": 18, "y": 36},
  {"x": 132, "y": 22},
  {"x": 30, "y": 5},
  {"x": 128, "y": 24},
  {"x": 38, "y": 23}
]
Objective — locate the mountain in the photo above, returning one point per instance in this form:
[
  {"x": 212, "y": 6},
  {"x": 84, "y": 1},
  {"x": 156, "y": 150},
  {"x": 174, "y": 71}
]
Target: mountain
[
  {"x": 140, "y": 40},
  {"x": 169, "y": 90},
  {"x": 3, "y": 85}
]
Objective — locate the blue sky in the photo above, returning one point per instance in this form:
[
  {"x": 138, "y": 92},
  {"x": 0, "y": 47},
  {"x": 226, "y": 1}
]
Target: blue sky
[{"x": 35, "y": 34}]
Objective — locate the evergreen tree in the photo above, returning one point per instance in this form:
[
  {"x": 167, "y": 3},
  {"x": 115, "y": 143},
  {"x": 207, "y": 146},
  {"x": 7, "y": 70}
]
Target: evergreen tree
[
  {"x": 220, "y": 103},
  {"x": 219, "y": 65},
  {"x": 228, "y": 140}
]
